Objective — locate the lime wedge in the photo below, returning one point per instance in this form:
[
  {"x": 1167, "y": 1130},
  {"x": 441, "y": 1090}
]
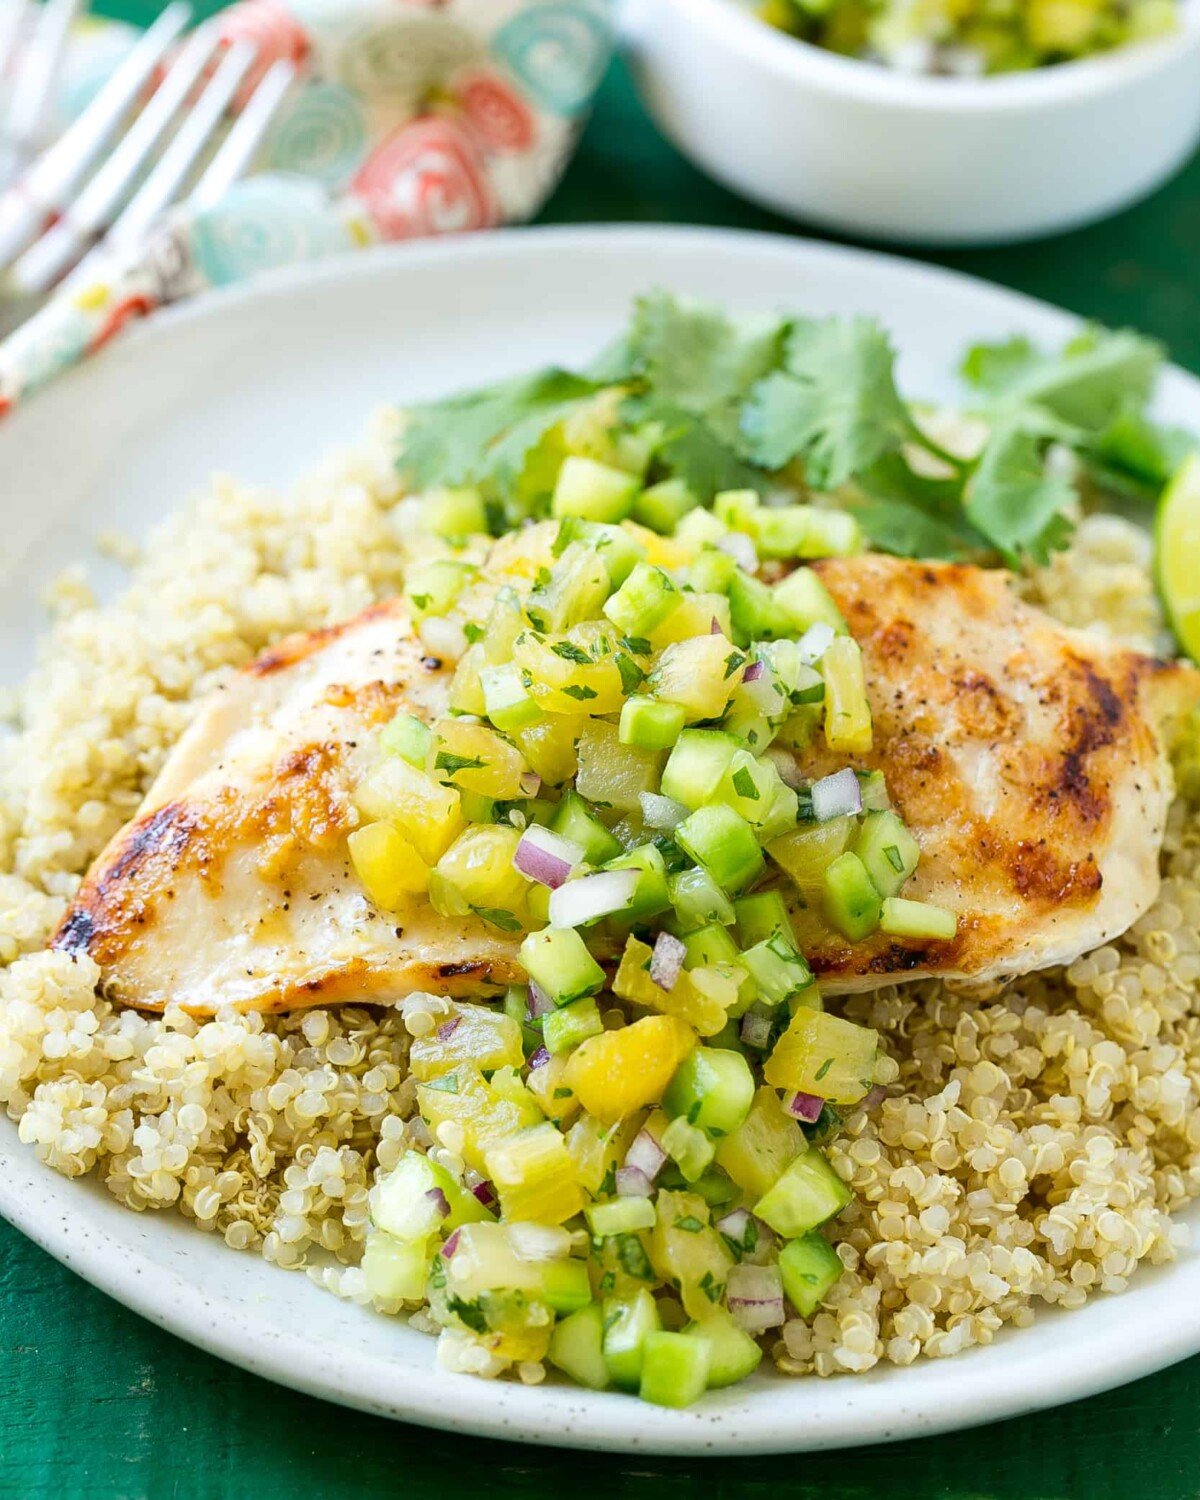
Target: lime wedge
[{"x": 1177, "y": 553}]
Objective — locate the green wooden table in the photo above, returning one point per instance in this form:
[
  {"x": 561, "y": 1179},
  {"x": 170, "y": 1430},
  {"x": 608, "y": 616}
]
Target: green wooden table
[{"x": 94, "y": 1402}]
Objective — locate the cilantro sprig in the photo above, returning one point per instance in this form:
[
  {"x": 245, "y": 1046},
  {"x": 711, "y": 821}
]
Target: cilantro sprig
[{"x": 791, "y": 402}]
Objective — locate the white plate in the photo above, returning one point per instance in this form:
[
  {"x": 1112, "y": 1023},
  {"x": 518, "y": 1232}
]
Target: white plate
[{"x": 261, "y": 381}]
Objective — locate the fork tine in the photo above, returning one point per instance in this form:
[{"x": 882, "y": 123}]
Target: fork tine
[
  {"x": 45, "y": 261},
  {"x": 243, "y": 140},
  {"x": 51, "y": 179},
  {"x": 13, "y": 14},
  {"x": 33, "y": 91},
  {"x": 163, "y": 184}
]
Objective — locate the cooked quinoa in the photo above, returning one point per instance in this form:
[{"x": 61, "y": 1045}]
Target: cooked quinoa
[{"x": 1035, "y": 1143}]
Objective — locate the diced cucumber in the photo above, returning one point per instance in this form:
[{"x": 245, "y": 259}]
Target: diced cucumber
[
  {"x": 407, "y": 737},
  {"x": 732, "y": 1353},
  {"x": 872, "y": 787},
  {"x": 804, "y": 600},
  {"x": 593, "y": 491},
  {"x": 695, "y": 766},
  {"x": 650, "y": 724},
  {"x": 674, "y": 1369},
  {"x": 777, "y": 968},
  {"x": 888, "y": 850},
  {"x": 756, "y": 612},
  {"x": 627, "y": 1324},
  {"x": 852, "y": 904},
  {"x": 809, "y": 1267},
  {"x": 395, "y": 1270},
  {"x": 917, "y": 919},
  {"x": 454, "y": 514},
  {"x": 617, "y": 549},
  {"x": 781, "y": 815},
  {"x": 406, "y": 1204},
  {"x": 566, "y": 1287},
  {"x": 620, "y": 1216},
  {"x": 698, "y": 899},
  {"x": 643, "y": 601},
  {"x": 712, "y": 1089},
  {"x": 570, "y": 1025},
  {"x": 748, "y": 786},
  {"x": 476, "y": 808},
  {"x": 760, "y": 917},
  {"x": 577, "y": 1347},
  {"x": 808, "y": 1193},
  {"x": 699, "y": 528},
  {"x": 650, "y": 895},
  {"x": 688, "y": 1147},
  {"x": 724, "y": 843},
  {"x": 558, "y": 960},
  {"x": 737, "y": 509},
  {"x": 575, "y": 820},
  {"x": 431, "y": 588},
  {"x": 717, "y": 1190},
  {"x": 712, "y": 572},
  {"x": 805, "y": 531},
  {"x": 664, "y": 505},
  {"x": 506, "y": 702}
]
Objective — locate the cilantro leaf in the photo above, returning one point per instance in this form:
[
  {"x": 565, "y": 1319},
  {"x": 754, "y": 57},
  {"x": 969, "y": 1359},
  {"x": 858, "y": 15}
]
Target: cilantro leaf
[
  {"x": 690, "y": 450},
  {"x": 914, "y": 515},
  {"x": 1018, "y": 504},
  {"x": 1135, "y": 456},
  {"x": 835, "y": 405},
  {"x": 1096, "y": 376},
  {"x": 693, "y": 357},
  {"x": 485, "y": 434}
]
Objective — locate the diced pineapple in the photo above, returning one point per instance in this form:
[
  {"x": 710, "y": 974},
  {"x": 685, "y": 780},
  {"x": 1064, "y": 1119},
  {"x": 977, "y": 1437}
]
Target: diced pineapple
[
  {"x": 429, "y": 815},
  {"x": 847, "y": 712},
  {"x": 760, "y": 1148},
  {"x": 477, "y": 759},
  {"x": 573, "y": 673},
  {"x": 478, "y": 1035},
  {"x": 549, "y": 1087},
  {"x": 394, "y": 1271},
  {"x": 612, "y": 774},
  {"x": 693, "y": 617},
  {"x": 622, "y": 1071},
  {"x": 549, "y": 747},
  {"x": 698, "y": 674},
  {"x": 480, "y": 1109},
  {"x": 476, "y": 874},
  {"x": 807, "y": 852},
  {"x": 697, "y": 1005},
  {"x": 599, "y": 1149},
  {"x": 824, "y": 1055},
  {"x": 466, "y": 689},
  {"x": 688, "y": 1253},
  {"x": 486, "y": 1260},
  {"x": 534, "y": 1176},
  {"x": 525, "y": 551},
  {"x": 387, "y": 864}
]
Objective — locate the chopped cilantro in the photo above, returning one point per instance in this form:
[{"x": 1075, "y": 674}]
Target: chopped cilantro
[
  {"x": 743, "y": 784},
  {"x": 580, "y": 692},
  {"x": 453, "y": 764},
  {"x": 570, "y": 652}
]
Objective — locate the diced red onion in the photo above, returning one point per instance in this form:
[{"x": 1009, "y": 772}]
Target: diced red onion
[
  {"x": 451, "y": 1245},
  {"x": 439, "y": 1201},
  {"x": 667, "y": 960},
  {"x": 539, "y": 1003},
  {"x": 483, "y": 1191},
  {"x": 529, "y": 783},
  {"x": 738, "y": 545},
  {"x": 805, "y": 1107},
  {"x": 754, "y": 671},
  {"x": 715, "y": 627},
  {"x": 539, "y": 1242},
  {"x": 447, "y": 1029},
  {"x": 754, "y": 1295},
  {"x": 592, "y": 896},
  {"x": 836, "y": 796},
  {"x": 814, "y": 643},
  {"x": 874, "y": 1096},
  {"x": 546, "y": 857},
  {"x": 661, "y": 812},
  {"x": 632, "y": 1182},
  {"x": 645, "y": 1155},
  {"x": 539, "y": 1059},
  {"x": 756, "y": 1030},
  {"x": 734, "y": 1225}
]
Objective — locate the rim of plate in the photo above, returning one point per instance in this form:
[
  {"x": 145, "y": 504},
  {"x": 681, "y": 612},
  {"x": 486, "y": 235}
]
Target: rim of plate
[
  {"x": 886, "y": 1404},
  {"x": 1037, "y": 88}
]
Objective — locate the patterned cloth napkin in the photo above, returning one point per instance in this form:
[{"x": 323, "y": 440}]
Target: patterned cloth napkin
[{"x": 412, "y": 118}]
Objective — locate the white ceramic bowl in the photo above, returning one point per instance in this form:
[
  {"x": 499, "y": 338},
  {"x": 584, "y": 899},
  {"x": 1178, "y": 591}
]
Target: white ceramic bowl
[{"x": 856, "y": 147}]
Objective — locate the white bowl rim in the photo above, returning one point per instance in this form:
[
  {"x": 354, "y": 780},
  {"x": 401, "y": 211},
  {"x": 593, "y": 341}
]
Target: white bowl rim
[{"x": 799, "y": 62}]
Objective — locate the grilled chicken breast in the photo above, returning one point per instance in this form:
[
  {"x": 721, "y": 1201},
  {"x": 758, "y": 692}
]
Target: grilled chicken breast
[
  {"x": 233, "y": 886},
  {"x": 1027, "y": 759}
]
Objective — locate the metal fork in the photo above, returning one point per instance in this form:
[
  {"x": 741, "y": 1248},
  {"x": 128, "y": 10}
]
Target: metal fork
[
  {"x": 33, "y": 40},
  {"x": 58, "y": 218}
]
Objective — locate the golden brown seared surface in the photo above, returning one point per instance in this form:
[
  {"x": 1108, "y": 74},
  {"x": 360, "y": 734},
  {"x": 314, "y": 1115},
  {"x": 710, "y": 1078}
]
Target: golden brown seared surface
[
  {"x": 232, "y": 886},
  {"x": 1028, "y": 760}
]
